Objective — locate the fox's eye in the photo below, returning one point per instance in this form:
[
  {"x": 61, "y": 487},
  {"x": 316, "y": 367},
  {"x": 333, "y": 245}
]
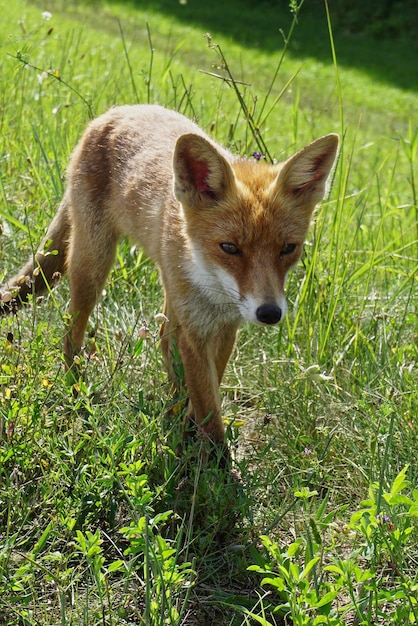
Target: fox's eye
[
  {"x": 288, "y": 248},
  {"x": 230, "y": 248}
]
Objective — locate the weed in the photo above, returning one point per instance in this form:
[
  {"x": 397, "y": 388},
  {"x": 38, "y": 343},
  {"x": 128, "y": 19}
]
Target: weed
[{"x": 307, "y": 582}]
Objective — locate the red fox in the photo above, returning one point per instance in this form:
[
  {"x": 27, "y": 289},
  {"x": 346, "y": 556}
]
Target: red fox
[{"x": 224, "y": 232}]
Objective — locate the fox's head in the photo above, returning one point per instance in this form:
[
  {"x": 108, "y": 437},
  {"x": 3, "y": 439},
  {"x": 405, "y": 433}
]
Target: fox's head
[{"x": 246, "y": 221}]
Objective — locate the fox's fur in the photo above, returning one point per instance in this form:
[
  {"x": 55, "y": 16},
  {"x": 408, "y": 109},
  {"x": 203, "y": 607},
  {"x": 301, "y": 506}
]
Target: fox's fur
[{"x": 224, "y": 232}]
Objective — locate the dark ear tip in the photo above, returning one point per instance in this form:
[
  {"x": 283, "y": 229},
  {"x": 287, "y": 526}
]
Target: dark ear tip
[{"x": 335, "y": 139}]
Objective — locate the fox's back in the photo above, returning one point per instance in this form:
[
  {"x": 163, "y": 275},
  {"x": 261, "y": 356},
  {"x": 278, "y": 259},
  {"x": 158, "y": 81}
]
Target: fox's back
[{"x": 122, "y": 170}]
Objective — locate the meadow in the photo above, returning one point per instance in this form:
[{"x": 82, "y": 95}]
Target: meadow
[{"x": 101, "y": 521}]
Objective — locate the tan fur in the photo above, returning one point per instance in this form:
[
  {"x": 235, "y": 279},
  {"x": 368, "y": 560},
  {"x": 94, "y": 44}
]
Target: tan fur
[{"x": 152, "y": 174}]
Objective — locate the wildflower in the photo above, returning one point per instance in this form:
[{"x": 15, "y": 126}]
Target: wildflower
[
  {"x": 160, "y": 318},
  {"x": 23, "y": 280},
  {"x": 46, "y": 15},
  {"x": 258, "y": 156},
  {"x": 144, "y": 330},
  {"x": 314, "y": 373},
  {"x": 42, "y": 77},
  {"x": 6, "y": 296}
]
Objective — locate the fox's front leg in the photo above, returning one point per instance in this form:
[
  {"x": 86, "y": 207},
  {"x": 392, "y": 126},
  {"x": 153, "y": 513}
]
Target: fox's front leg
[
  {"x": 204, "y": 362},
  {"x": 169, "y": 330},
  {"x": 201, "y": 376}
]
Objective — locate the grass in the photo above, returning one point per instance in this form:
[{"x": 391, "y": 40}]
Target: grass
[{"x": 100, "y": 522}]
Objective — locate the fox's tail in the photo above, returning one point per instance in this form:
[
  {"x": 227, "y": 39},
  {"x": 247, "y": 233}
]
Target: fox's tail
[{"x": 43, "y": 269}]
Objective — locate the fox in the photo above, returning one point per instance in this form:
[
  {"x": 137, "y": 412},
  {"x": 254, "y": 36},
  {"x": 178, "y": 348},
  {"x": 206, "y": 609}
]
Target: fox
[{"x": 223, "y": 230}]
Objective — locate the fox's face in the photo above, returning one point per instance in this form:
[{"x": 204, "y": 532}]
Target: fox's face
[{"x": 246, "y": 222}]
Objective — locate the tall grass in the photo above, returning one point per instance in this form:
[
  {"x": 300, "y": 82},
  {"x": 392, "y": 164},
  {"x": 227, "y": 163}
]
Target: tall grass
[{"x": 101, "y": 522}]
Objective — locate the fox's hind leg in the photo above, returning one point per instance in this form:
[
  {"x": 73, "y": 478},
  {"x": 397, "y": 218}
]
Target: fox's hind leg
[{"x": 91, "y": 255}]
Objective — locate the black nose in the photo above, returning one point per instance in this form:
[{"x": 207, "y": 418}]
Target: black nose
[{"x": 269, "y": 313}]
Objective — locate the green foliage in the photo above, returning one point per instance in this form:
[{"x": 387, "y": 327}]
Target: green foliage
[
  {"x": 308, "y": 581},
  {"x": 379, "y": 18}
]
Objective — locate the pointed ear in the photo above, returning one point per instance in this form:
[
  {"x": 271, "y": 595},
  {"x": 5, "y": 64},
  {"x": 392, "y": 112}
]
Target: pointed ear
[
  {"x": 303, "y": 177},
  {"x": 201, "y": 174}
]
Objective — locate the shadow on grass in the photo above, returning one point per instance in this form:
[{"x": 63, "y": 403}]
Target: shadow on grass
[{"x": 261, "y": 24}]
